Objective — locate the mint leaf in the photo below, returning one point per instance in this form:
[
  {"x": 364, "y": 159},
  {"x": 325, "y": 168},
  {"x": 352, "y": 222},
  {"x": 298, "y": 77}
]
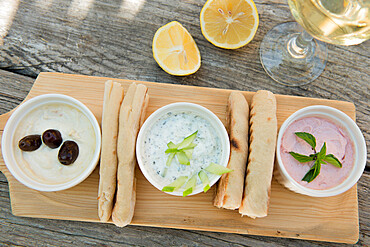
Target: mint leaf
[
  {"x": 313, "y": 172},
  {"x": 302, "y": 158},
  {"x": 205, "y": 181},
  {"x": 217, "y": 169},
  {"x": 307, "y": 137},
  {"x": 330, "y": 158},
  {"x": 190, "y": 185},
  {"x": 175, "y": 185},
  {"x": 188, "y": 140},
  {"x": 183, "y": 159},
  {"x": 322, "y": 153}
]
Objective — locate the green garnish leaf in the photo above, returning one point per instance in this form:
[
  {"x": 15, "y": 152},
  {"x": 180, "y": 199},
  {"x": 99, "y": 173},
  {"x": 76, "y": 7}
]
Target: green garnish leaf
[
  {"x": 313, "y": 172},
  {"x": 302, "y": 158},
  {"x": 333, "y": 160},
  {"x": 307, "y": 137},
  {"x": 205, "y": 181},
  {"x": 188, "y": 140},
  {"x": 182, "y": 158},
  {"x": 322, "y": 152},
  {"x": 190, "y": 185},
  {"x": 169, "y": 159},
  {"x": 217, "y": 169},
  {"x": 320, "y": 157},
  {"x": 175, "y": 185}
]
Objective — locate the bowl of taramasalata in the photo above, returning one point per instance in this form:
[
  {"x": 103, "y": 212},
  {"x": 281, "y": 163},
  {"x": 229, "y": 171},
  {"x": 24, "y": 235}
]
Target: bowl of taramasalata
[
  {"x": 320, "y": 152},
  {"x": 182, "y": 149},
  {"x": 51, "y": 142}
]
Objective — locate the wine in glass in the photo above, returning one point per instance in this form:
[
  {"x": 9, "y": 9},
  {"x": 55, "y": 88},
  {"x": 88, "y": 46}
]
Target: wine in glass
[{"x": 291, "y": 56}]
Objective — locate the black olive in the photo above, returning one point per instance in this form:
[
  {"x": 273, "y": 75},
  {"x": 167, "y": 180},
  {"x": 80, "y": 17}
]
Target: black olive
[
  {"x": 68, "y": 153},
  {"x": 52, "y": 138},
  {"x": 30, "y": 143}
]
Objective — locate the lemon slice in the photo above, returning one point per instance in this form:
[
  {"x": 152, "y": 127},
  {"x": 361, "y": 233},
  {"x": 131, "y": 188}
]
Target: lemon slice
[
  {"x": 175, "y": 50},
  {"x": 229, "y": 24}
]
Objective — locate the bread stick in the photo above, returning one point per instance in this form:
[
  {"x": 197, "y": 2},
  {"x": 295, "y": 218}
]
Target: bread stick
[
  {"x": 113, "y": 96},
  {"x": 230, "y": 187},
  {"x": 132, "y": 110},
  {"x": 263, "y": 131}
]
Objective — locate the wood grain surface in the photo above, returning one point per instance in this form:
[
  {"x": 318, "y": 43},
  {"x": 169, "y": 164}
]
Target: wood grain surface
[
  {"x": 287, "y": 211},
  {"x": 108, "y": 38}
]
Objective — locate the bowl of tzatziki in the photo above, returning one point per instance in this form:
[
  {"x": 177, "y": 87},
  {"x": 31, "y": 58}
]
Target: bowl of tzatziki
[{"x": 182, "y": 148}]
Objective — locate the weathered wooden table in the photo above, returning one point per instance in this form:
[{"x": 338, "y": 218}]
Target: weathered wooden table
[{"x": 113, "y": 39}]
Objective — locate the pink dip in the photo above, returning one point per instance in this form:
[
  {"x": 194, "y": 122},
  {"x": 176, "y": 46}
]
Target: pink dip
[{"x": 337, "y": 143}]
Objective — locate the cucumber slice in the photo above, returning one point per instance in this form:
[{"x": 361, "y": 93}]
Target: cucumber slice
[
  {"x": 171, "y": 145},
  {"x": 217, "y": 169},
  {"x": 188, "y": 140},
  {"x": 169, "y": 159},
  {"x": 175, "y": 185},
  {"x": 205, "y": 181},
  {"x": 189, "y": 153},
  {"x": 190, "y": 185},
  {"x": 183, "y": 158}
]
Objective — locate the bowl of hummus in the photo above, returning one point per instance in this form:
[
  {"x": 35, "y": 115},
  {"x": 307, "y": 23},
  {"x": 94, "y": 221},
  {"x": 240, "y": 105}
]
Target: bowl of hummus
[
  {"x": 51, "y": 142},
  {"x": 320, "y": 152},
  {"x": 182, "y": 126}
]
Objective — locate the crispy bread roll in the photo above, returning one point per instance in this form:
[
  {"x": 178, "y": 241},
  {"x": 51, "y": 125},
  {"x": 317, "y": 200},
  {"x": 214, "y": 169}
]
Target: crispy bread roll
[
  {"x": 133, "y": 108},
  {"x": 230, "y": 188},
  {"x": 113, "y": 96},
  {"x": 263, "y": 131}
]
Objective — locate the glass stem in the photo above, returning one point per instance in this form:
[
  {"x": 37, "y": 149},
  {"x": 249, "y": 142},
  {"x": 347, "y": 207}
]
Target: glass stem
[{"x": 299, "y": 46}]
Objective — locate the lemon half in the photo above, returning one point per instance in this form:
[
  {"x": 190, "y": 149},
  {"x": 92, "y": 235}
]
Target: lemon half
[
  {"x": 175, "y": 50},
  {"x": 229, "y": 24}
]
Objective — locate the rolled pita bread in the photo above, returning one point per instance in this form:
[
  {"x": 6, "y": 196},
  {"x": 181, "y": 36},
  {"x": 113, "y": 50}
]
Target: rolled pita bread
[
  {"x": 263, "y": 131},
  {"x": 230, "y": 187},
  {"x": 113, "y": 96},
  {"x": 133, "y": 109}
]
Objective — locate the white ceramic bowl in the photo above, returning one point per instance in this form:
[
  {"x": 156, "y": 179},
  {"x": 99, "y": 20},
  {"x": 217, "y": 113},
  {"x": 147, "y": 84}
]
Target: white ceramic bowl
[
  {"x": 340, "y": 119},
  {"x": 8, "y": 149},
  {"x": 179, "y": 107}
]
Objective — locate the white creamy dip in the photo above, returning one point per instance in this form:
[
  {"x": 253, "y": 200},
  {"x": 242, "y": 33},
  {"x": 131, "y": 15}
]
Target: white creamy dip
[
  {"x": 43, "y": 164},
  {"x": 175, "y": 126}
]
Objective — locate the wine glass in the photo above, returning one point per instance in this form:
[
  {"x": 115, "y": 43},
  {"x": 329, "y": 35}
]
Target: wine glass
[{"x": 291, "y": 56}]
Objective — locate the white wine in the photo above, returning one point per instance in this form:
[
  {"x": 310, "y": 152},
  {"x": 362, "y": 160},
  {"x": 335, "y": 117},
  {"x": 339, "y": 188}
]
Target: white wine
[{"x": 339, "y": 22}]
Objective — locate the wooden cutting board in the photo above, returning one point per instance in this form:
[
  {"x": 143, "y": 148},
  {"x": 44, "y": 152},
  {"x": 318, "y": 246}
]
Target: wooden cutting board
[{"x": 290, "y": 215}]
